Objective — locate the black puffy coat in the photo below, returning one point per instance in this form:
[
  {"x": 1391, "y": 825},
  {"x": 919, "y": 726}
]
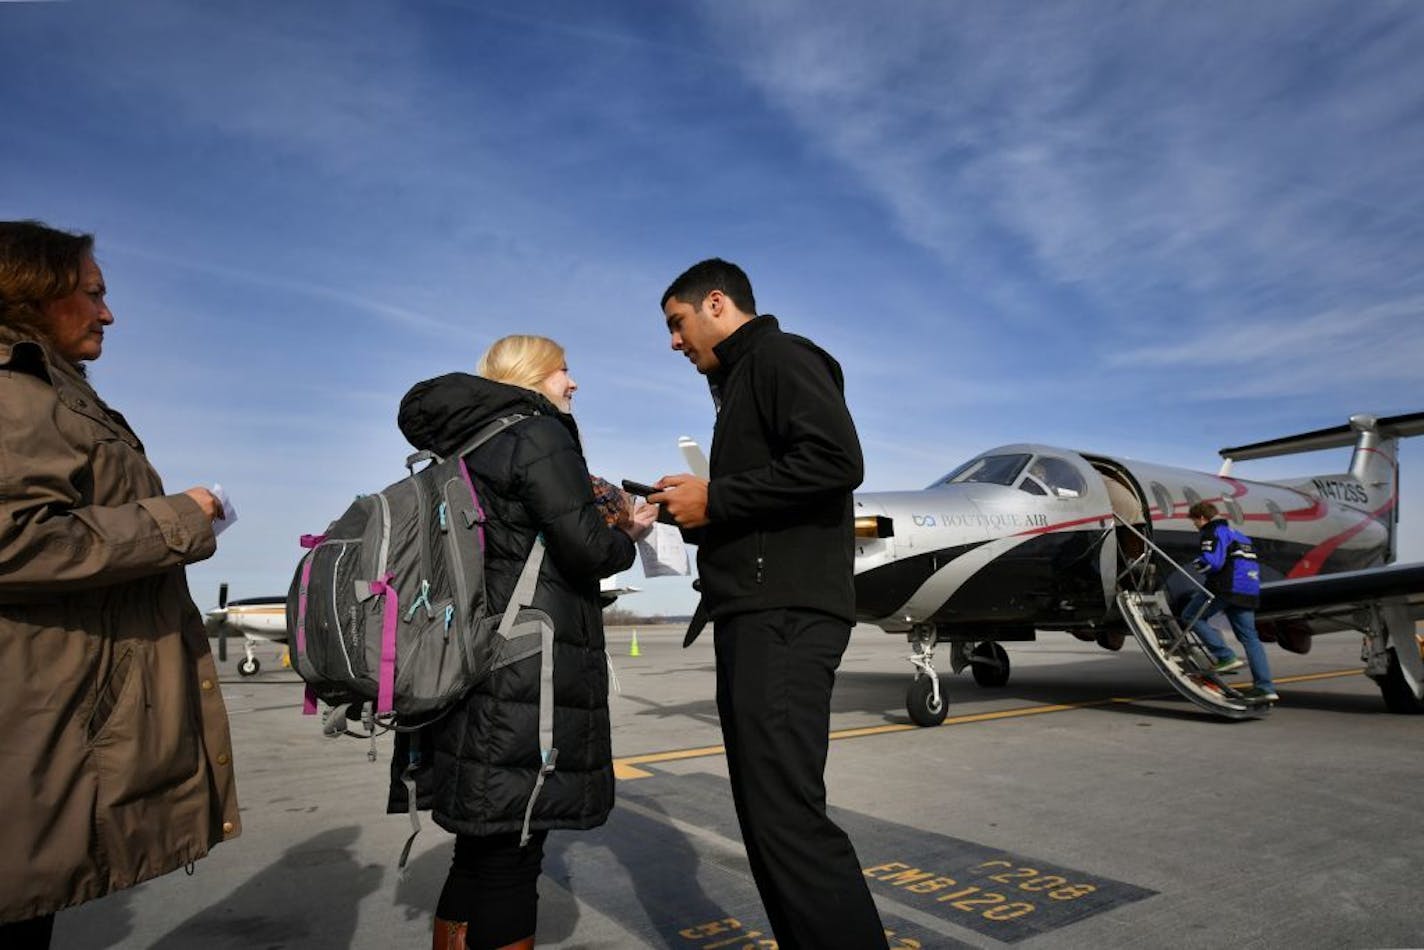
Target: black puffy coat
[{"x": 531, "y": 478}]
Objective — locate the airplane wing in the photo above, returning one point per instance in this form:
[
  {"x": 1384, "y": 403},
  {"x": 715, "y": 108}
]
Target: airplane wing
[
  {"x": 1383, "y": 603},
  {"x": 1339, "y": 595}
]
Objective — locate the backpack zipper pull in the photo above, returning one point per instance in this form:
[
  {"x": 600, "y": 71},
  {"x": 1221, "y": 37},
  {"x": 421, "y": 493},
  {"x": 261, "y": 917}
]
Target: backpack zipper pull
[{"x": 422, "y": 599}]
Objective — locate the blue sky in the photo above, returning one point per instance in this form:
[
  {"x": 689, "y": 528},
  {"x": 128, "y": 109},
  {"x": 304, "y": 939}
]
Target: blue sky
[{"x": 1146, "y": 229}]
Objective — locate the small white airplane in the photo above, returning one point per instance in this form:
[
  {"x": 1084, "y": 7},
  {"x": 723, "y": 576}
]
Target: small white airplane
[
  {"x": 264, "y": 620},
  {"x": 255, "y": 619},
  {"x": 1033, "y": 537}
]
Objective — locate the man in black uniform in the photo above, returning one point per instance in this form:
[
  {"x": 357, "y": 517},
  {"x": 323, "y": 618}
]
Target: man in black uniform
[{"x": 775, "y": 534}]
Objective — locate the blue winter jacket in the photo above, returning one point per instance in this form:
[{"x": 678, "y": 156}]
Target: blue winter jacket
[{"x": 1229, "y": 560}]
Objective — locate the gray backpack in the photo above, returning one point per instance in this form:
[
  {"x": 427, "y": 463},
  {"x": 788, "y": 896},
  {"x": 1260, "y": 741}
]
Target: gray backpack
[{"x": 389, "y": 605}]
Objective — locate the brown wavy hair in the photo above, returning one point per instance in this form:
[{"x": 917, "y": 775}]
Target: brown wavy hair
[{"x": 38, "y": 264}]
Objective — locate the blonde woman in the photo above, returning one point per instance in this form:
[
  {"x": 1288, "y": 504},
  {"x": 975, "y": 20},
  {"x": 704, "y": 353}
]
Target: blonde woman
[{"x": 479, "y": 762}]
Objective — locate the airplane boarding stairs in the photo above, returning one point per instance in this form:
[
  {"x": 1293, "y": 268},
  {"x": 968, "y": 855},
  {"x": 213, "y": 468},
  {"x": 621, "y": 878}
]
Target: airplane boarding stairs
[{"x": 1176, "y": 651}]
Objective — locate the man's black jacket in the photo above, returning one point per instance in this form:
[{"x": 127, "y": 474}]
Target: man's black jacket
[{"x": 785, "y": 459}]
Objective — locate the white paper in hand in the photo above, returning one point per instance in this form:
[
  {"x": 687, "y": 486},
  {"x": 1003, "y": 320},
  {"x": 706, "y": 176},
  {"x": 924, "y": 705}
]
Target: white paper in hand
[
  {"x": 663, "y": 552},
  {"x": 229, "y": 514}
]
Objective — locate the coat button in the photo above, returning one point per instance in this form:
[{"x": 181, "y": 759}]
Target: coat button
[
  {"x": 227, "y": 827},
  {"x": 207, "y": 684},
  {"x": 222, "y": 758}
]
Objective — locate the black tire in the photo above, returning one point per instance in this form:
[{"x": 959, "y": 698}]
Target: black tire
[
  {"x": 246, "y": 667},
  {"x": 990, "y": 664},
  {"x": 920, "y": 703},
  {"x": 1398, "y": 697}
]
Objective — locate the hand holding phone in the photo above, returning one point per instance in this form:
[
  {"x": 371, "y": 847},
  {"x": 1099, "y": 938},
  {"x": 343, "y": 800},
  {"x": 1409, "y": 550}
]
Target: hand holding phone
[{"x": 638, "y": 488}]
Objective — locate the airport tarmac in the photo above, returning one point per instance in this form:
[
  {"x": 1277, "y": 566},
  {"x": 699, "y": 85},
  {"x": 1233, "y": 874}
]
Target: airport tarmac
[{"x": 1082, "y": 805}]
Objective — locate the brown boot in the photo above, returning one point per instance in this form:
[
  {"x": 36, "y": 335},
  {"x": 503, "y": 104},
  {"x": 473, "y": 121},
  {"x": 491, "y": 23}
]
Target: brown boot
[
  {"x": 526, "y": 944},
  {"x": 449, "y": 935}
]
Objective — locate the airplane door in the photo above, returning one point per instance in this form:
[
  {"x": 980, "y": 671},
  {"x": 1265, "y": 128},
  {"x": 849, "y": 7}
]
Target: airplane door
[{"x": 1088, "y": 578}]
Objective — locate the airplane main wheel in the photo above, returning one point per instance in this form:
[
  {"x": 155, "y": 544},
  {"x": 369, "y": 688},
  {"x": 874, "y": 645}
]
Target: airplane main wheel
[
  {"x": 921, "y": 704},
  {"x": 1398, "y": 696},
  {"x": 248, "y": 666},
  {"x": 990, "y": 663}
]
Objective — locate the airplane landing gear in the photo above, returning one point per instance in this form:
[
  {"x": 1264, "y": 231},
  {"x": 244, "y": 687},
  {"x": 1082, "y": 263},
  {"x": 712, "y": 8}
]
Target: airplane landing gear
[
  {"x": 249, "y": 665},
  {"x": 925, "y": 703},
  {"x": 1390, "y": 646},
  {"x": 1398, "y": 695},
  {"x": 990, "y": 664}
]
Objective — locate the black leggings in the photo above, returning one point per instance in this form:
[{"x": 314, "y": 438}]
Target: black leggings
[
  {"x": 493, "y": 885},
  {"x": 32, "y": 934}
]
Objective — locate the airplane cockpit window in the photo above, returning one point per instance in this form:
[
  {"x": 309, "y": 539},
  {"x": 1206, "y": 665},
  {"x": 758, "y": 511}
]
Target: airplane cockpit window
[
  {"x": 1057, "y": 475},
  {"x": 1032, "y": 486},
  {"x": 986, "y": 469}
]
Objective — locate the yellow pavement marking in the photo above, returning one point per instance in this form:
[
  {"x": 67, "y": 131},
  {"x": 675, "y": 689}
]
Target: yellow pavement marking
[{"x": 626, "y": 767}]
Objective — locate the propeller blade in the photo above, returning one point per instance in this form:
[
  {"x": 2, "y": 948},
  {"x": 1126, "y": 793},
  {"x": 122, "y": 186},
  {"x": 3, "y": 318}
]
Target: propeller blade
[{"x": 222, "y": 627}]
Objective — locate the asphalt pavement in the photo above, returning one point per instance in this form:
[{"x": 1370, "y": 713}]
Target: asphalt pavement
[{"x": 1084, "y": 804}]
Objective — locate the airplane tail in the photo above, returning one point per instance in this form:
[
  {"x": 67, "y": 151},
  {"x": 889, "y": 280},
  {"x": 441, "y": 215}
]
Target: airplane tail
[{"x": 1372, "y": 481}]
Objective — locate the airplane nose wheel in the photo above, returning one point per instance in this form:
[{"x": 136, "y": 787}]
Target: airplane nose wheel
[
  {"x": 925, "y": 702},
  {"x": 248, "y": 666}
]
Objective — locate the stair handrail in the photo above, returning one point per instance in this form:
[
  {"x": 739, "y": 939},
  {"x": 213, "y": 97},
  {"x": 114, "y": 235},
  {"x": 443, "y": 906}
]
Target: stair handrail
[{"x": 1168, "y": 558}]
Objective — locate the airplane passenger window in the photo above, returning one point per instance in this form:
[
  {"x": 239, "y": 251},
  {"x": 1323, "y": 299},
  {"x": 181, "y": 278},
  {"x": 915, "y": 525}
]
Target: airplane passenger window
[
  {"x": 1192, "y": 497},
  {"x": 1165, "y": 506},
  {"x": 1233, "y": 510},
  {"x": 987, "y": 469},
  {"x": 1059, "y": 475},
  {"x": 1277, "y": 516}
]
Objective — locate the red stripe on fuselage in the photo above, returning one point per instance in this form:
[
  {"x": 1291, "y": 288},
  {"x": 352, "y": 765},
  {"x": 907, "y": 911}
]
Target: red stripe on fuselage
[
  {"x": 1315, "y": 558},
  {"x": 1061, "y": 525}
]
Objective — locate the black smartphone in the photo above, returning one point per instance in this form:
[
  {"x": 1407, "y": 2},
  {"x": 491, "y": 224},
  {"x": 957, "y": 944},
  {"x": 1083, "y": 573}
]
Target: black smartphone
[{"x": 638, "y": 488}]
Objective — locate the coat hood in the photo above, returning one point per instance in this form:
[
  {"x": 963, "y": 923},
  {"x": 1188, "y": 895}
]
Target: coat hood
[{"x": 442, "y": 414}]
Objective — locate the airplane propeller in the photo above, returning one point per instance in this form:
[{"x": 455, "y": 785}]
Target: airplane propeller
[{"x": 222, "y": 628}]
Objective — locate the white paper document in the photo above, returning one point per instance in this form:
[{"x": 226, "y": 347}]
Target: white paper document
[
  {"x": 663, "y": 552},
  {"x": 229, "y": 514}
]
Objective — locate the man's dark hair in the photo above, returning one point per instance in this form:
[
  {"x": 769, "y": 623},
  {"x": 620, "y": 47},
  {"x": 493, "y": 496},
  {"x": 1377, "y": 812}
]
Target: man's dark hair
[
  {"x": 694, "y": 284},
  {"x": 1204, "y": 510}
]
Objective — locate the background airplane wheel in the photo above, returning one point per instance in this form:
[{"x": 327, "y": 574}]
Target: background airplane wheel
[
  {"x": 1398, "y": 697},
  {"x": 248, "y": 667},
  {"x": 991, "y": 664},
  {"x": 920, "y": 703}
]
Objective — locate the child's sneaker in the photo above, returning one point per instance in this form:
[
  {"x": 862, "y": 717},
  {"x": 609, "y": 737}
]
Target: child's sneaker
[
  {"x": 1228, "y": 666},
  {"x": 1259, "y": 694}
]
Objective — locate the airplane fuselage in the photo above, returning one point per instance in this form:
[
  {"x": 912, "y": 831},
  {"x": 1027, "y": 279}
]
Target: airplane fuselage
[{"x": 1034, "y": 544}]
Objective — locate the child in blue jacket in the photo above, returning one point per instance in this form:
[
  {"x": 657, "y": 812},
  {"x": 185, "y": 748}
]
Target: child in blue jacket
[{"x": 1234, "y": 578}]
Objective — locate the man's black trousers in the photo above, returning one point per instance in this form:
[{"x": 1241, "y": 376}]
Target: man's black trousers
[{"x": 775, "y": 670}]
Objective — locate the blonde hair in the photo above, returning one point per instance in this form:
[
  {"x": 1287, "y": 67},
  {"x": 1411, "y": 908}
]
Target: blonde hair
[{"x": 522, "y": 360}]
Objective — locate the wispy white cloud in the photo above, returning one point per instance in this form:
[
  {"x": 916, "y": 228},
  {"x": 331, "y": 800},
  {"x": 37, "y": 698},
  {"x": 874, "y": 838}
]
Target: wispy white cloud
[{"x": 1164, "y": 164}]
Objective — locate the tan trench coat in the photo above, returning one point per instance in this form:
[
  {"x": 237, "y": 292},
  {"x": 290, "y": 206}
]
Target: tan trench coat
[{"x": 115, "y": 757}]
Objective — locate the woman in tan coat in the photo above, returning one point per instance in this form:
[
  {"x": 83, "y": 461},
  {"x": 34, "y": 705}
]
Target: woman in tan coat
[{"x": 115, "y": 760}]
